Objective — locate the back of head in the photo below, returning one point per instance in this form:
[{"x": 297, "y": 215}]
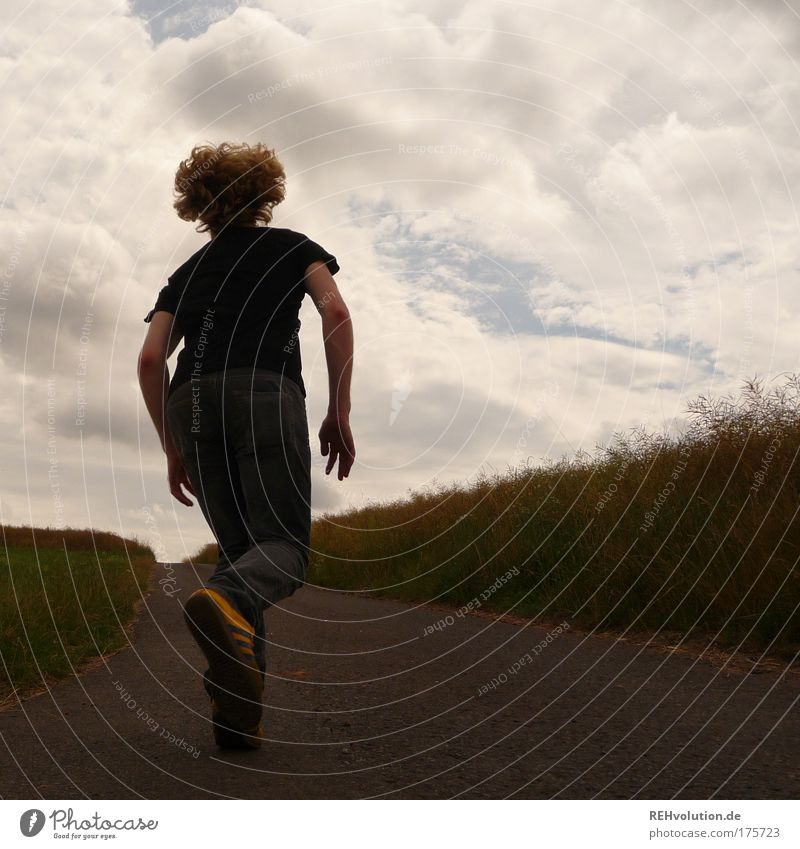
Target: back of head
[{"x": 229, "y": 185}]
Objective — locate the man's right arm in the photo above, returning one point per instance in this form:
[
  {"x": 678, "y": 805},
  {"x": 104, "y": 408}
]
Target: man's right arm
[{"x": 336, "y": 439}]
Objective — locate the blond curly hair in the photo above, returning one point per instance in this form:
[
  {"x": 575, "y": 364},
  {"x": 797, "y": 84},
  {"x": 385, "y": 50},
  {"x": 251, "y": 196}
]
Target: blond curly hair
[{"x": 229, "y": 184}]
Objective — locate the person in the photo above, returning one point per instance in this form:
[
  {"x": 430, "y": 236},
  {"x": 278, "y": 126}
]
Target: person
[{"x": 232, "y": 419}]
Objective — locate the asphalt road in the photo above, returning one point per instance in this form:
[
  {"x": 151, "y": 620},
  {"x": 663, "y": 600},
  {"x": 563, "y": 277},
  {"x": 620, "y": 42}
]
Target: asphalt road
[{"x": 366, "y": 699}]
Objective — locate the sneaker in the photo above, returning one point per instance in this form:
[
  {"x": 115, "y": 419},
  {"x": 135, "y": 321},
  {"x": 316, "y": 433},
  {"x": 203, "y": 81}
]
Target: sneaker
[
  {"x": 225, "y": 736},
  {"x": 227, "y": 640}
]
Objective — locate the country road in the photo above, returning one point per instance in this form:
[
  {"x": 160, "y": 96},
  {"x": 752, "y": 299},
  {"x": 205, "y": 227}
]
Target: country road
[{"x": 365, "y": 699}]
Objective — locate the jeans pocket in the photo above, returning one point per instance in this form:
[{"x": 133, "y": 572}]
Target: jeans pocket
[
  {"x": 191, "y": 415},
  {"x": 259, "y": 421}
]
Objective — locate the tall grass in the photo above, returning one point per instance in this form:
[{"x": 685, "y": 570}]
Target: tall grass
[
  {"x": 75, "y": 539},
  {"x": 209, "y": 553},
  {"x": 66, "y": 595},
  {"x": 696, "y": 533}
]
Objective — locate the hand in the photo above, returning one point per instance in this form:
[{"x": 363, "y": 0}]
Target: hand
[
  {"x": 177, "y": 477},
  {"x": 336, "y": 441}
]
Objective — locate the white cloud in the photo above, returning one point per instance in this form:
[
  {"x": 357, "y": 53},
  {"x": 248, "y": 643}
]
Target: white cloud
[{"x": 597, "y": 198}]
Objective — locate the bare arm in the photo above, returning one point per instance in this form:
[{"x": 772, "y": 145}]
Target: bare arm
[
  {"x": 161, "y": 340},
  {"x": 336, "y": 439}
]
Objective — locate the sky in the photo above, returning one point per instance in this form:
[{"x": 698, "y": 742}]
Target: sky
[{"x": 555, "y": 221}]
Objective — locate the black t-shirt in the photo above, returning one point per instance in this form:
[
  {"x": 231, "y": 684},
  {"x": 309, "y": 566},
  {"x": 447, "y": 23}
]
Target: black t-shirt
[{"x": 237, "y": 299}]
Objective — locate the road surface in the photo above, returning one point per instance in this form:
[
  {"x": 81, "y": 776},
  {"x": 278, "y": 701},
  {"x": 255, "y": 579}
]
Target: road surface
[{"x": 370, "y": 698}]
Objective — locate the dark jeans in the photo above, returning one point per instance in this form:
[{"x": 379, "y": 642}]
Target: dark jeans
[{"x": 243, "y": 438}]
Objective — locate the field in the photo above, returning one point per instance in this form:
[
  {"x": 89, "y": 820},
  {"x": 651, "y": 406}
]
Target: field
[
  {"x": 66, "y": 596},
  {"x": 695, "y": 534}
]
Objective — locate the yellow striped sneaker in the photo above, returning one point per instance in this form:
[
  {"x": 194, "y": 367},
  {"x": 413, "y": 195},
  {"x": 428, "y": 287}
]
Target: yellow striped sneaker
[{"x": 227, "y": 640}]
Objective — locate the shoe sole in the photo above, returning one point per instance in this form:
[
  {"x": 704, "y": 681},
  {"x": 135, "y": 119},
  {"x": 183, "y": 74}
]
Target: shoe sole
[
  {"x": 237, "y": 681},
  {"x": 230, "y": 738},
  {"x": 226, "y": 737}
]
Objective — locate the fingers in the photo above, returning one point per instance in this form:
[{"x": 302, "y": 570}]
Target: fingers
[
  {"x": 336, "y": 443},
  {"x": 332, "y": 459},
  {"x": 346, "y": 459},
  {"x": 175, "y": 483},
  {"x": 188, "y": 484},
  {"x": 348, "y": 454},
  {"x": 177, "y": 492}
]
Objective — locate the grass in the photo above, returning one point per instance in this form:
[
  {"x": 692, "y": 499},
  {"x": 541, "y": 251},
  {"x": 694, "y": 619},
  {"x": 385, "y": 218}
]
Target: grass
[
  {"x": 66, "y": 596},
  {"x": 696, "y": 533},
  {"x": 209, "y": 553}
]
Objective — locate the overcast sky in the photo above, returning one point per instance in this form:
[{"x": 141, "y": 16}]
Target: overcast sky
[{"x": 554, "y": 220}]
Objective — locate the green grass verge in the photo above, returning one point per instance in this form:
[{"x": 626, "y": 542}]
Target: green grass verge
[
  {"x": 66, "y": 596},
  {"x": 696, "y": 534}
]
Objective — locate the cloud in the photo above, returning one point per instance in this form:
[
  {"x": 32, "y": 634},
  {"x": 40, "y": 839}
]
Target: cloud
[{"x": 551, "y": 222}]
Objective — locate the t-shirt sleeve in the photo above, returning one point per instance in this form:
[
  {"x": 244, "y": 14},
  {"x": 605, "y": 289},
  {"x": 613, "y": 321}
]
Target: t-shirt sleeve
[
  {"x": 309, "y": 251},
  {"x": 167, "y": 300}
]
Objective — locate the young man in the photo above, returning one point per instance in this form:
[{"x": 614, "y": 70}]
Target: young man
[{"x": 232, "y": 420}]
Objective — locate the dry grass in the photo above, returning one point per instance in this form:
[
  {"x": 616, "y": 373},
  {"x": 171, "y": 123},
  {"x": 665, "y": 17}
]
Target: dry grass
[
  {"x": 697, "y": 533},
  {"x": 207, "y": 554}
]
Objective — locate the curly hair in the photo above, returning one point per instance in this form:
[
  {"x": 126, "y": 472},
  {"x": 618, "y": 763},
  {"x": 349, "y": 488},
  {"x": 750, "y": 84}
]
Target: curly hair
[{"x": 229, "y": 184}]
